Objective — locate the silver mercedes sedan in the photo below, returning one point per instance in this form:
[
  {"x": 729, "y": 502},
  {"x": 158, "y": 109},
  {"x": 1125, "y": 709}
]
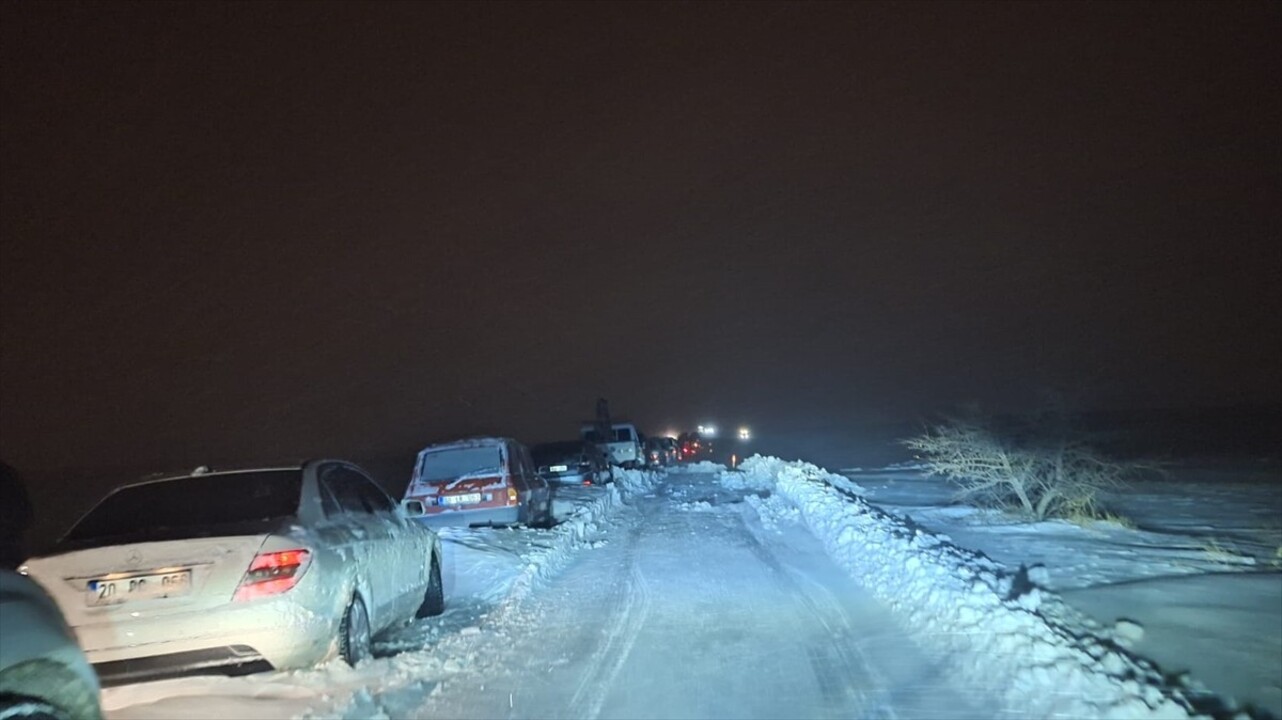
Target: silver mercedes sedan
[{"x": 240, "y": 571}]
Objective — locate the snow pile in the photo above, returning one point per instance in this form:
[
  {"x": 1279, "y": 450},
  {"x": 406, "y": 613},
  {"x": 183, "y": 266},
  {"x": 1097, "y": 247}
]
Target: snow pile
[
  {"x": 580, "y": 529},
  {"x": 773, "y": 510},
  {"x": 759, "y": 473},
  {"x": 703, "y": 466},
  {"x": 975, "y": 616},
  {"x": 637, "y": 482}
]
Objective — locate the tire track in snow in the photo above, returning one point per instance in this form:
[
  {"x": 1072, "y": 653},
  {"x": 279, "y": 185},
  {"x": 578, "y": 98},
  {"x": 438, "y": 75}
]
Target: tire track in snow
[
  {"x": 621, "y": 635},
  {"x": 841, "y": 670},
  {"x": 596, "y": 685},
  {"x": 846, "y": 641}
]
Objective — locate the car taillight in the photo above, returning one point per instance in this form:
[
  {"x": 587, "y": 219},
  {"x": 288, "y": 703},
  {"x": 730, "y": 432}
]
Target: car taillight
[
  {"x": 272, "y": 573},
  {"x": 511, "y": 496}
]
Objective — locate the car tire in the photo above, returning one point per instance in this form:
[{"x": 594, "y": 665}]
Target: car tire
[
  {"x": 354, "y": 639},
  {"x": 533, "y": 517},
  {"x": 434, "y": 596}
]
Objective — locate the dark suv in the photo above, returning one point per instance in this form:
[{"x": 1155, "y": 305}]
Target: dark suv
[{"x": 576, "y": 462}]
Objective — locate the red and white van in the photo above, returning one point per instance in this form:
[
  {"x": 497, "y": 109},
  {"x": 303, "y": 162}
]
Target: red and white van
[{"x": 483, "y": 481}]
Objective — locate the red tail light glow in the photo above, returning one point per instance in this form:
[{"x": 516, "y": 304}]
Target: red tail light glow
[{"x": 272, "y": 573}]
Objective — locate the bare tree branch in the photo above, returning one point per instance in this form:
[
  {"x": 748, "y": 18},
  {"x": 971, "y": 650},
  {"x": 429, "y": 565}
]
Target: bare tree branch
[{"x": 1049, "y": 479}]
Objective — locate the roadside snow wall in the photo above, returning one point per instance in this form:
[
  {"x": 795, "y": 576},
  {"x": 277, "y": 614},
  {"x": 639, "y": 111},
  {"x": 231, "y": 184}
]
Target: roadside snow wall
[
  {"x": 582, "y": 528},
  {"x": 703, "y": 466},
  {"x": 987, "y": 626}
]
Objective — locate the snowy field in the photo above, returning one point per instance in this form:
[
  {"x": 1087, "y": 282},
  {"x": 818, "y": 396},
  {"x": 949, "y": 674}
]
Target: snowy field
[
  {"x": 777, "y": 590},
  {"x": 1199, "y": 569}
]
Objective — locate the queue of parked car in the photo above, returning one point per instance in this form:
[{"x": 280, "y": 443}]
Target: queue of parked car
[{"x": 239, "y": 571}]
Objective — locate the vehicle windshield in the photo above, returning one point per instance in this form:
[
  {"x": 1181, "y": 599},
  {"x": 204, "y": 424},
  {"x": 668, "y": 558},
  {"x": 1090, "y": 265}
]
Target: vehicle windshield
[
  {"x": 552, "y": 452},
  {"x": 193, "y": 503},
  {"x": 454, "y": 463}
]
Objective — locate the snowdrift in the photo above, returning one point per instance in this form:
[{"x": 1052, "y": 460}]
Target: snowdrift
[
  {"x": 979, "y": 619},
  {"x": 703, "y": 466},
  {"x": 579, "y": 529}
]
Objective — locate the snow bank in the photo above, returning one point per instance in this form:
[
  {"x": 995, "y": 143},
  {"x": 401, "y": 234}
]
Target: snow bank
[
  {"x": 637, "y": 482},
  {"x": 703, "y": 466},
  {"x": 471, "y": 651},
  {"x": 580, "y": 529},
  {"x": 986, "y": 624},
  {"x": 753, "y": 475}
]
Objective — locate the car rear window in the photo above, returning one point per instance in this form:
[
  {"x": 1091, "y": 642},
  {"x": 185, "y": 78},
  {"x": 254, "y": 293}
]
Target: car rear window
[
  {"x": 544, "y": 454},
  {"x": 454, "y": 463},
  {"x": 200, "y": 501},
  {"x": 623, "y": 434}
]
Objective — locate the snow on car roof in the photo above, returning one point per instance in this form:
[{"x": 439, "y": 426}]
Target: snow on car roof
[
  {"x": 202, "y": 471},
  {"x": 466, "y": 443}
]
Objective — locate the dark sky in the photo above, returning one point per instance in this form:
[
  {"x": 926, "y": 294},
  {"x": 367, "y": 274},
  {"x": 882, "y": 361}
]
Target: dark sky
[{"x": 261, "y": 230}]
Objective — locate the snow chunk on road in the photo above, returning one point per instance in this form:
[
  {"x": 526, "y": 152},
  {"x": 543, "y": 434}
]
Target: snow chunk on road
[{"x": 977, "y": 617}]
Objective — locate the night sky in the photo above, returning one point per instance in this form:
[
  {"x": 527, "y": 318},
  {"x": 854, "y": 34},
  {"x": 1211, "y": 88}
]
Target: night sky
[{"x": 261, "y": 231}]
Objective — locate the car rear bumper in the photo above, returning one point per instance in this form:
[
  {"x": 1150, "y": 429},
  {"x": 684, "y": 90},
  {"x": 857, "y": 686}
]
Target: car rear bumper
[
  {"x": 232, "y": 639},
  {"x": 225, "y": 660},
  {"x": 509, "y": 515},
  {"x": 576, "y": 477}
]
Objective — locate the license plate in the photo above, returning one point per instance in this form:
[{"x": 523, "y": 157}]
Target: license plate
[
  {"x": 115, "y": 590},
  {"x": 468, "y": 499},
  {"x": 558, "y": 468}
]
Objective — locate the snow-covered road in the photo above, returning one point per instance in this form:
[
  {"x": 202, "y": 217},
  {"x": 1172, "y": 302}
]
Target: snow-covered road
[
  {"x": 692, "y": 610},
  {"x": 675, "y": 603},
  {"x": 775, "y": 590}
]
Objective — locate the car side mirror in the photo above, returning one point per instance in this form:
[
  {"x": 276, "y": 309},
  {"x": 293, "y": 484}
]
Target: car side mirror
[{"x": 413, "y": 508}]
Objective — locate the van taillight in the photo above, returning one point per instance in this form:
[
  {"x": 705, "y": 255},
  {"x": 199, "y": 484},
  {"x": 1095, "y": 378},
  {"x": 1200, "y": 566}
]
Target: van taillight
[
  {"x": 272, "y": 573},
  {"x": 511, "y": 496}
]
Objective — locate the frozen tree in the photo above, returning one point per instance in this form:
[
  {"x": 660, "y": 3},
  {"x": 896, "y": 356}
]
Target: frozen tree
[{"x": 1057, "y": 477}]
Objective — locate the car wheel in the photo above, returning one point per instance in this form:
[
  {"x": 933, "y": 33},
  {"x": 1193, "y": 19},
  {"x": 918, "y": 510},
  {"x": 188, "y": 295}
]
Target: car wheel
[
  {"x": 534, "y": 516},
  {"x": 434, "y": 597},
  {"x": 353, "y": 633},
  {"x": 23, "y": 708}
]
